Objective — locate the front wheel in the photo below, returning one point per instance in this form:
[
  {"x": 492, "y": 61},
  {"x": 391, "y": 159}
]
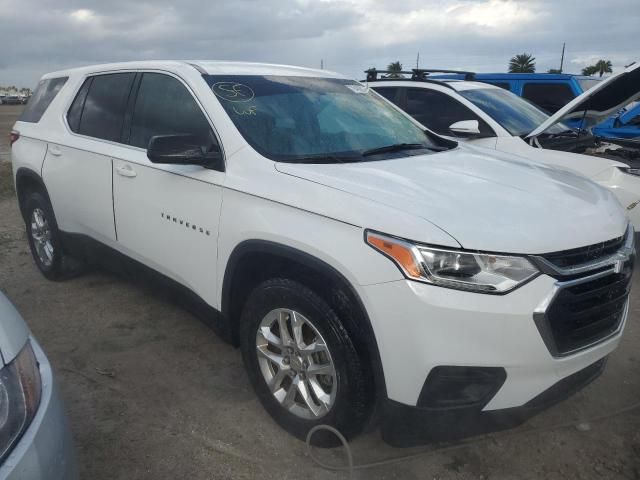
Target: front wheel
[{"x": 302, "y": 362}]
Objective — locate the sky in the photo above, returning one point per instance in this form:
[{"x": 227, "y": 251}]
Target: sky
[{"x": 348, "y": 36}]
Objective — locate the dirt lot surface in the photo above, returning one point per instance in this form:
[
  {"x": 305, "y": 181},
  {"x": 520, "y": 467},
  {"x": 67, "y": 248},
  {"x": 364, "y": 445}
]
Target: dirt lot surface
[{"x": 151, "y": 392}]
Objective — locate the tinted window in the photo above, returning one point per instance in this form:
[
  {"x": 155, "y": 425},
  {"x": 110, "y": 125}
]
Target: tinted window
[
  {"x": 514, "y": 114},
  {"x": 165, "y": 107},
  {"x": 548, "y": 96},
  {"x": 390, "y": 93},
  {"x": 75, "y": 112},
  {"x": 437, "y": 111},
  {"x": 309, "y": 119},
  {"x": 45, "y": 92},
  {"x": 103, "y": 112}
]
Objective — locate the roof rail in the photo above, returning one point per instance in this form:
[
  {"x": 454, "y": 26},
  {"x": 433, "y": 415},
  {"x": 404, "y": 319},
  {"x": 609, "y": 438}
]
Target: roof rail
[
  {"x": 428, "y": 71},
  {"x": 416, "y": 73},
  {"x": 372, "y": 74}
]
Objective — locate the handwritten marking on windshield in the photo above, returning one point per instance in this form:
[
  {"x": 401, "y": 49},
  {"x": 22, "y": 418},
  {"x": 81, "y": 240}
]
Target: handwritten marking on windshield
[
  {"x": 248, "y": 111},
  {"x": 233, "y": 91}
]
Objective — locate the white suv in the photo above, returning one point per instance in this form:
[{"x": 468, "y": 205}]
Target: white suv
[
  {"x": 362, "y": 264},
  {"x": 492, "y": 117}
]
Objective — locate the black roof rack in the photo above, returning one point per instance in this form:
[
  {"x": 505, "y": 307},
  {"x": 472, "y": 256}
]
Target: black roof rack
[
  {"x": 419, "y": 74},
  {"x": 428, "y": 71}
]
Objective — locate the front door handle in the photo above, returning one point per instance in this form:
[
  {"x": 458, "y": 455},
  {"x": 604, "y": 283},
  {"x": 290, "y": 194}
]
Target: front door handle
[{"x": 126, "y": 171}]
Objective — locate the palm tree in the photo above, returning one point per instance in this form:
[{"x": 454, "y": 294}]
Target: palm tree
[
  {"x": 590, "y": 70},
  {"x": 603, "y": 66},
  {"x": 522, "y": 63},
  {"x": 395, "y": 68}
]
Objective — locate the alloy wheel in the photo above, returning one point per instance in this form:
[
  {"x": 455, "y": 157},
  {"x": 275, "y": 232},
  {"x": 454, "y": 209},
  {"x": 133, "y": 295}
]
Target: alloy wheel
[
  {"x": 296, "y": 363},
  {"x": 41, "y": 235}
]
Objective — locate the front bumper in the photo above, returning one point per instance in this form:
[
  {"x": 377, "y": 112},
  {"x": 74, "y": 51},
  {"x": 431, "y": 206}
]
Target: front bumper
[
  {"x": 419, "y": 327},
  {"x": 45, "y": 451},
  {"x": 405, "y": 426}
]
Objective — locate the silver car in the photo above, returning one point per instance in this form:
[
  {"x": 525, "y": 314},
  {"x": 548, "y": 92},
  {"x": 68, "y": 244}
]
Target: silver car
[{"x": 35, "y": 441}]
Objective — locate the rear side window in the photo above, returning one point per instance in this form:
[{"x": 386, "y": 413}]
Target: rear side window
[
  {"x": 437, "y": 111},
  {"x": 548, "y": 96},
  {"x": 165, "y": 107},
  {"x": 98, "y": 109},
  {"x": 45, "y": 92}
]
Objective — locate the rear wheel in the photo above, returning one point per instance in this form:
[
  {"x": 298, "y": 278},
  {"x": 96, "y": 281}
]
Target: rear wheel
[
  {"x": 44, "y": 239},
  {"x": 302, "y": 362}
]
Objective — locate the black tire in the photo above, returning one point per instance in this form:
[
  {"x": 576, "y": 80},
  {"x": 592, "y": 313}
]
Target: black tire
[
  {"x": 353, "y": 400},
  {"x": 61, "y": 266}
]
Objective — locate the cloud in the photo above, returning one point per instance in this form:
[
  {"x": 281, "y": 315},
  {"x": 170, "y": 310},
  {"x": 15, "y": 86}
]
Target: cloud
[{"x": 349, "y": 35}]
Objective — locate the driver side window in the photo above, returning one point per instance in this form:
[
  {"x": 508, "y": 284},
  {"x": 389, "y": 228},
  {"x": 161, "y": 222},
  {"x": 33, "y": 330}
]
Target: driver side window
[
  {"x": 165, "y": 107},
  {"x": 437, "y": 111}
]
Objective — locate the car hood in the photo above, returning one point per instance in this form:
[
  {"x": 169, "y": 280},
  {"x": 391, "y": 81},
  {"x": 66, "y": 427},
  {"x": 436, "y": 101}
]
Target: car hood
[
  {"x": 484, "y": 199},
  {"x": 600, "y": 101}
]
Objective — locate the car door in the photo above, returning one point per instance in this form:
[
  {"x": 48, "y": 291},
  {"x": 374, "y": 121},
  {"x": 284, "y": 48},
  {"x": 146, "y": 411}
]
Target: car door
[
  {"x": 167, "y": 215},
  {"x": 78, "y": 173}
]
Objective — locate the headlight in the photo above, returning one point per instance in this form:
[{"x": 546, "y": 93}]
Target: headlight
[
  {"x": 477, "y": 272},
  {"x": 20, "y": 389}
]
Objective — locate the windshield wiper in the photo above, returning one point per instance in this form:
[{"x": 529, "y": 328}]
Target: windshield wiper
[
  {"x": 397, "y": 147},
  {"x": 325, "y": 159}
]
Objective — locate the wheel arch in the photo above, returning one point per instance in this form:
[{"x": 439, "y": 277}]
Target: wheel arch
[
  {"x": 241, "y": 276},
  {"x": 28, "y": 181}
]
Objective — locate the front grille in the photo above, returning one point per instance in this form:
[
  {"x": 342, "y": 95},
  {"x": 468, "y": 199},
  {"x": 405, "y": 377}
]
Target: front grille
[
  {"x": 579, "y": 256},
  {"x": 584, "y": 313}
]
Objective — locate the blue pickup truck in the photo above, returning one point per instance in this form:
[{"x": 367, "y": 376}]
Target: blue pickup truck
[
  {"x": 551, "y": 92},
  {"x": 626, "y": 124}
]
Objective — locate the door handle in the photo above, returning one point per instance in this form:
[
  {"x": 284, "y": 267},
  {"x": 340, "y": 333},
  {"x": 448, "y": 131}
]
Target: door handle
[
  {"x": 126, "y": 171},
  {"x": 55, "y": 150}
]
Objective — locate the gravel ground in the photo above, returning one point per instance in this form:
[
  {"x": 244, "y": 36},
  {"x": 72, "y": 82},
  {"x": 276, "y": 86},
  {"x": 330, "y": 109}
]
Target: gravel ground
[{"x": 153, "y": 393}]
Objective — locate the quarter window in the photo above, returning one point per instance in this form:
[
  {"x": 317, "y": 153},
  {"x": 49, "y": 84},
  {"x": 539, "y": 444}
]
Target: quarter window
[
  {"x": 437, "y": 111},
  {"x": 75, "y": 112},
  {"x": 102, "y": 113},
  {"x": 548, "y": 96},
  {"x": 165, "y": 107},
  {"x": 45, "y": 92}
]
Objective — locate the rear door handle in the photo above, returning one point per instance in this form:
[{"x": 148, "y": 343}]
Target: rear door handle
[
  {"x": 55, "y": 150},
  {"x": 126, "y": 171}
]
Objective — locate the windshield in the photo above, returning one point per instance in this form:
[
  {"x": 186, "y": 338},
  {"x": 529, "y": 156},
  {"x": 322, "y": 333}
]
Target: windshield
[
  {"x": 287, "y": 118},
  {"x": 513, "y": 113}
]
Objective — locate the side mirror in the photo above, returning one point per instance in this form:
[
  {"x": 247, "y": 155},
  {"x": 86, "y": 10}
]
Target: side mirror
[
  {"x": 465, "y": 128},
  {"x": 181, "y": 150}
]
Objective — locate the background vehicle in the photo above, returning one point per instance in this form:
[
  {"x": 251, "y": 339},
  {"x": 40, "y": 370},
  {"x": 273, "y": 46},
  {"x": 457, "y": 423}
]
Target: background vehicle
[
  {"x": 625, "y": 124},
  {"x": 551, "y": 92},
  {"x": 35, "y": 442},
  {"x": 12, "y": 100},
  {"x": 231, "y": 180},
  {"x": 492, "y": 117}
]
